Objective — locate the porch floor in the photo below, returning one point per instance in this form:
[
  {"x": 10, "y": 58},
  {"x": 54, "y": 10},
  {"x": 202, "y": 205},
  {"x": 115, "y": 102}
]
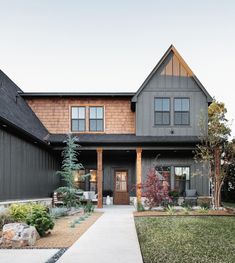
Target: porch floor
[{"x": 112, "y": 238}]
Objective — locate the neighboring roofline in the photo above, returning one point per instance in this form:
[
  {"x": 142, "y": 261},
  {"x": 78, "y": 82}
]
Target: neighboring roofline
[
  {"x": 77, "y": 94},
  {"x": 7, "y": 125},
  {"x": 182, "y": 61}
]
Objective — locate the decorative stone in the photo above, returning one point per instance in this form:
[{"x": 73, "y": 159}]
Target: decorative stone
[{"x": 18, "y": 235}]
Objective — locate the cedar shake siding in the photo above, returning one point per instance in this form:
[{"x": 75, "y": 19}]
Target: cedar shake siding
[{"x": 55, "y": 113}]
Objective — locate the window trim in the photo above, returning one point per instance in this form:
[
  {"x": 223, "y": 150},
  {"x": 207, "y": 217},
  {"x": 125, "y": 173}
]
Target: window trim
[
  {"x": 182, "y": 124},
  {"x": 183, "y": 166},
  {"x": 71, "y": 119},
  {"x": 97, "y": 119},
  {"x": 155, "y": 111}
]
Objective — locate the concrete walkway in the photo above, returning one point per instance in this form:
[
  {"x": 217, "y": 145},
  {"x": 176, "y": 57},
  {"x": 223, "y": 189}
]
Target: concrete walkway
[
  {"x": 26, "y": 255},
  {"x": 112, "y": 238}
]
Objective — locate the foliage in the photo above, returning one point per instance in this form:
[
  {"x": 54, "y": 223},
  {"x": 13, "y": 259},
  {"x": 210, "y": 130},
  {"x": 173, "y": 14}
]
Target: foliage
[
  {"x": 57, "y": 212},
  {"x": 186, "y": 239},
  {"x": 20, "y": 211},
  {"x": 203, "y": 210},
  {"x": 140, "y": 207},
  {"x": 70, "y": 164},
  {"x": 170, "y": 210},
  {"x": 40, "y": 218},
  {"x": 205, "y": 205},
  {"x": 5, "y": 218},
  {"x": 174, "y": 194},
  {"x": 155, "y": 189},
  {"x": 88, "y": 207},
  {"x": 213, "y": 143},
  {"x": 228, "y": 188}
]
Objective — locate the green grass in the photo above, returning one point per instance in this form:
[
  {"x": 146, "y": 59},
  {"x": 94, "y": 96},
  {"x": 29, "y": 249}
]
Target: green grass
[{"x": 203, "y": 239}]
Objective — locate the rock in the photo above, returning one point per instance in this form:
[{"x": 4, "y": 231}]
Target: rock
[{"x": 18, "y": 235}]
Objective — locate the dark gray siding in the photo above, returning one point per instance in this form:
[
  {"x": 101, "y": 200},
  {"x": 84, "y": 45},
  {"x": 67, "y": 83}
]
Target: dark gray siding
[
  {"x": 112, "y": 160},
  {"x": 171, "y": 80},
  {"x": 199, "y": 174},
  {"x": 26, "y": 170}
]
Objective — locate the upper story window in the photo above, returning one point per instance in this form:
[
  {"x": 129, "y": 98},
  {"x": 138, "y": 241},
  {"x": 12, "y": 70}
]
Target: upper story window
[
  {"x": 181, "y": 111},
  {"x": 78, "y": 119},
  {"x": 162, "y": 111},
  {"x": 96, "y": 119}
]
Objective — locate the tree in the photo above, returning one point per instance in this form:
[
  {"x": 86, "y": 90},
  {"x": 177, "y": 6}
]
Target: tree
[
  {"x": 215, "y": 148},
  {"x": 70, "y": 164}
]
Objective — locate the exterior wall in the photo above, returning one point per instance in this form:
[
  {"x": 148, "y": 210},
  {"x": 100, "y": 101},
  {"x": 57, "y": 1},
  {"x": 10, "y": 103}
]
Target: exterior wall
[
  {"x": 55, "y": 113},
  {"x": 112, "y": 160},
  {"x": 171, "y": 80},
  {"x": 26, "y": 171},
  {"x": 198, "y": 173}
]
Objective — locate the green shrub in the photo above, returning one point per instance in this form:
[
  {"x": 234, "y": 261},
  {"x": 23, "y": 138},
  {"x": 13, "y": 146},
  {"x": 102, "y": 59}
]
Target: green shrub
[
  {"x": 57, "y": 212},
  {"x": 170, "y": 210},
  {"x": 5, "y": 218},
  {"x": 20, "y": 211},
  {"x": 140, "y": 207},
  {"x": 203, "y": 210},
  {"x": 41, "y": 219},
  {"x": 89, "y": 207}
]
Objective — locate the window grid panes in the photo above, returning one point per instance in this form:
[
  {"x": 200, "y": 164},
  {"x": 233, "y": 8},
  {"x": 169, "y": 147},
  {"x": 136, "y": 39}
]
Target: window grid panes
[
  {"x": 181, "y": 111},
  {"x": 162, "y": 111},
  {"x": 182, "y": 179},
  {"x": 78, "y": 119},
  {"x": 96, "y": 119}
]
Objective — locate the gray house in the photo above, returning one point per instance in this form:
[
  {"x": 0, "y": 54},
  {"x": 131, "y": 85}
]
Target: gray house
[{"x": 120, "y": 134}]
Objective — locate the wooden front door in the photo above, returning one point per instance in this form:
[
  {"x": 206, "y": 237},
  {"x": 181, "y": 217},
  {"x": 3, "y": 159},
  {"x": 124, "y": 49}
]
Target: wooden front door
[{"x": 121, "y": 194}]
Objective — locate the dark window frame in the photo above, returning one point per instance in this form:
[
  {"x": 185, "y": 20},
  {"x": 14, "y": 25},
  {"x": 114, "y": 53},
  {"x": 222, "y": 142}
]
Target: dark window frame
[
  {"x": 186, "y": 181},
  {"x": 96, "y": 119},
  {"x": 78, "y": 119},
  {"x": 162, "y": 112},
  {"x": 181, "y": 112}
]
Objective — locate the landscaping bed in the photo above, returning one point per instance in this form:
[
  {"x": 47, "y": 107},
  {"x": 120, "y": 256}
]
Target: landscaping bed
[{"x": 179, "y": 239}]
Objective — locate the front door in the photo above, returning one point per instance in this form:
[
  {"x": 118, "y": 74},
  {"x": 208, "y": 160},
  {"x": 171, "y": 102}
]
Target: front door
[{"x": 121, "y": 194}]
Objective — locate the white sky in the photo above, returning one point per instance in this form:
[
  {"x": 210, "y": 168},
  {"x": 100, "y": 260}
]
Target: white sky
[{"x": 113, "y": 45}]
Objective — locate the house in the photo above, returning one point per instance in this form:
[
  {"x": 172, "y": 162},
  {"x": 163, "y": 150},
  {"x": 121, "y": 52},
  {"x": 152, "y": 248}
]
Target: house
[{"x": 120, "y": 134}]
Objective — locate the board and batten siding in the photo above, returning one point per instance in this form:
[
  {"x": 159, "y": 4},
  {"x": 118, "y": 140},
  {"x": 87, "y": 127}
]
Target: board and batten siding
[
  {"x": 199, "y": 179},
  {"x": 26, "y": 170},
  {"x": 170, "y": 80}
]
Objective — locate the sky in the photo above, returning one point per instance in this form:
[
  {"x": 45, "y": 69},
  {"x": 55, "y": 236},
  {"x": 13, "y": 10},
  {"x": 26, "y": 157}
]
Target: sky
[{"x": 86, "y": 46}]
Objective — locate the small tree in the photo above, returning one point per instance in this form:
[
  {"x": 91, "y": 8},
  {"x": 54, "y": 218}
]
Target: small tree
[
  {"x": 70, "y": 164},
  {"x": 215, "y": 148}
]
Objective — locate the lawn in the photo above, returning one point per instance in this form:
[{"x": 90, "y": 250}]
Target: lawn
[{"x": 187, "y": 239}]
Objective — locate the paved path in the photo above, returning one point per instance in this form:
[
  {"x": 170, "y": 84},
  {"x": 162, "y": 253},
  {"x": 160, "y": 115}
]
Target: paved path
[
  {"x": 112, "y": 239},
  {"x": 26, "y": 255}
]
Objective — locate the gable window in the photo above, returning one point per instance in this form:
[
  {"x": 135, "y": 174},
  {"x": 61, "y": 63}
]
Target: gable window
[
  {"x": 96, "y": 119},
  {"x": 78, "y": 119},
  {"x": 182, "y": 179},
  {"x": 181, "y": 111},
  {"x": 162, "y": 111}
]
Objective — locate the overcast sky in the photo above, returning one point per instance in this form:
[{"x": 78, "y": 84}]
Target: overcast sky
[{"x": 55, "y": 45}]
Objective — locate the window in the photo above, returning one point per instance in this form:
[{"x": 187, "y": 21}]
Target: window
[
  {"x": 78, "y": 119},
  {"x": 182, "y": 179},
  {"x": 162, "y": 111},
  {"x": 181, "y": 111},
  {"x": 164, "y": 172},
  {"x": 96, "y": 119}
]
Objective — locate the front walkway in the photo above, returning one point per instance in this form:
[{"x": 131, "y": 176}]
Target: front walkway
[{"x": 112, "y": 238}]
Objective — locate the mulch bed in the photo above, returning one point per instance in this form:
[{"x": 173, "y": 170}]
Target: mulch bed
[{"x": 227, "y": 212}]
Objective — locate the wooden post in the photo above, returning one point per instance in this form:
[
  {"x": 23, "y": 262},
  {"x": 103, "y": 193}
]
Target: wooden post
[
  {"x": 100, "y": 177},
  {"x": 138, "y": 173}
]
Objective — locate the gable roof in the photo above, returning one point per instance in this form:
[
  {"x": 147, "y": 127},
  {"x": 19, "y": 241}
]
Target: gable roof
[
  {"x": 185, "y": 65},
  {"x": 15, "y": 112}
]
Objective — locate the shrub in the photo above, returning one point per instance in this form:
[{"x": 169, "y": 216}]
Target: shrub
[
  {"x": 205, "y": 204},
  {"x": 57, "y": 212},
  {"x": 140, "y": 207},
  {"x": 20, "y": 211},
  {"x": 203, "y": 210},
  {"x": 170, "y": 210},
  {"x": 89, "y": 207},
  {"x": 5, "y": 218},
  {"x": 69, "y": 196},
  {"x": 40, "y": 218}
]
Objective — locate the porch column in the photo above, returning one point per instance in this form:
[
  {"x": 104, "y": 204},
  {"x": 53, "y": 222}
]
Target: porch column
[
  {"x": 138, "y": 173},
  {"x": 100, "y": 176}
]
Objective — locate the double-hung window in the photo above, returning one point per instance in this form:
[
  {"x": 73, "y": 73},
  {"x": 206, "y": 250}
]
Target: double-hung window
[
  {"x": 78, "y": 119},
  {"x": 96, "y": 119},
  {"x": 162, "y": 111},
  {"x": 181, "y": 111}
]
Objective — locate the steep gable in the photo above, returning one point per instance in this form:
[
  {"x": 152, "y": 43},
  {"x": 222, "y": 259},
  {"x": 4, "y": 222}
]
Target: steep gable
[{"x": 171, "y": 73}]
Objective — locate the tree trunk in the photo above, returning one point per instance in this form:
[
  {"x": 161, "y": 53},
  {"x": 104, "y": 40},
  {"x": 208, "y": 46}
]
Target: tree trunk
[{"x": 217, "y": 180}]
